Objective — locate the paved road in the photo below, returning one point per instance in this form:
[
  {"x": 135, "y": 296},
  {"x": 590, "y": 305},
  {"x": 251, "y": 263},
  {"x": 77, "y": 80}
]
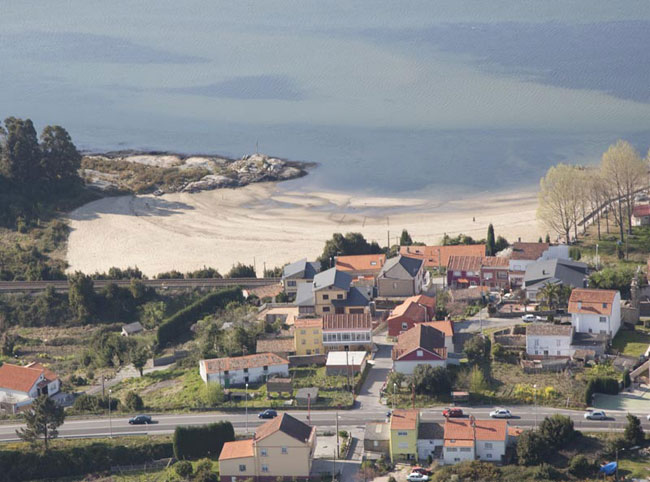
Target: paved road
[
  {"x": 324, "y": 420},
  {"x": 368, "y": 397}
]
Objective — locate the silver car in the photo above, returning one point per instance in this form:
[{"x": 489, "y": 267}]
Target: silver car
[
  {"x": 501, "y": 413},
  {"x": 595, "y": 415}
]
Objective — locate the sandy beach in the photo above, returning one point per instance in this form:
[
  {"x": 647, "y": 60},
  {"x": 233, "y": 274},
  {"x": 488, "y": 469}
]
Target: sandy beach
[{"x": 268, "y": 225}]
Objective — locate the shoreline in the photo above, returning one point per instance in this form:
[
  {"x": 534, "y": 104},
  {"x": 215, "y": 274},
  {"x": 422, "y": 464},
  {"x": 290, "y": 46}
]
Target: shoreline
[{"x": 269, "y": 224}]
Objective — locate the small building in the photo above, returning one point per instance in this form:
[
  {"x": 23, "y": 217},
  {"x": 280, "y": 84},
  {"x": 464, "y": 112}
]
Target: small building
[
  {"x": 404, "y": 434},
  {"x": 281, "y": 448},
  {"x": 240, "y": 370},
  {"x": 415, "y": 309},
  {"x": 345, "y": 363},
  {"x": 549, "y": 340},
  {"x": 308, "y": 336},
  {"x": 132, "y": 328},
  {"x": 430, "y": 440},
  {"x": 347, "y": 332},
  {"x": 279, "y": 385},
  {"x": 376, "y": 440},
  {"x": 641, "y": 215},
  {"x": 471, "y": 439},
  {"x": 306, "y": 396},
  {"x": 281, "y": 346},
  {"x": 554, "y": 271},
  {"x": 20, "y": 385},
  {"x": 421, "y": 345},
  {"x": 401, "y": 276},
  {"x": 595, "y": 311},
  {"x": 298, "y": 273},
  {"x": 437, "y": 257}
]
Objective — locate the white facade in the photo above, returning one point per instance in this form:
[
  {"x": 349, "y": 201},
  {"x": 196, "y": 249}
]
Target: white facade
[
  {"x": 454, "y": 455},
  {"x": 243, "y": 376},
  {"x": 490, "y": 450},
  {"x": 561, "y": 251},
  {"x": 427, "y": 446},
  {"x": 407, "y": 366},
  {"x": 332, "y": 337},
  {"x": 549, "y": 345},
  {"x": 599, "y": 324}
]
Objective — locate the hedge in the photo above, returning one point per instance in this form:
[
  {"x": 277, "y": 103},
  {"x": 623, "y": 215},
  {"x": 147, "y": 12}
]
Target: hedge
[
  {"x": 202, "y": 440},
  {"x": 20, "y": 465},
  {"x": 179, "y": 323},
  {"x": 601, "y": 385}
]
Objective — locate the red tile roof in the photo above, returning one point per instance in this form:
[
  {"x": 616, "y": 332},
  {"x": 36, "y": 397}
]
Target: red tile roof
[
  {"x": 288, "y": 425},
  {"x": 361, "y": 262},
  {"x": 430, "y": 253},
  {"x": 20, "y": 379},
  {"x": 591, "y": 301},
  {"x": 531, "y": 251},
  {"x": 237, "y": 449},
  {"x": 465, "y": 263},
  {"x": 359, "y": 321},
  {"x": 50, "y": 376},
  {"x": 217, "y": 365},
  {"x": 402, "y": 419},
  {"x": 412, "y": 307},
  {"x": 308, "y": 323},
  {"x": 444, "y": 326},
  {"x": 461, "y": 429},
  {"x": 420, "y": 337},
  {"x": 495, "y": 262}
]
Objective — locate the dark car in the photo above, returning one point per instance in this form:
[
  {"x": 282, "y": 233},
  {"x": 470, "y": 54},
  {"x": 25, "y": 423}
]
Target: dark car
[
  {"x": 421, "y": 470},
  {"x": 452, "y": 412},
  {"x": 140, "y": 420},
  {"x": 268, "y": 414}
]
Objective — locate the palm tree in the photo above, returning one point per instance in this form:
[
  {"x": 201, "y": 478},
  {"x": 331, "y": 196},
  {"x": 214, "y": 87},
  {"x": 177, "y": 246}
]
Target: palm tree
[{"x": 549, "y": 295}]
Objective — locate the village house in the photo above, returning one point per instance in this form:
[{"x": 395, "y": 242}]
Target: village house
[
  {"x": 364, "y": 268},
  {"x": 281, "y": 448},
  {"x": 297, "y": 273},
  {"x": 495, "y": 272},
  {"x": 595, "y": 311},
  {"x": 132, "y": 328},
  {"x": 404, "y": 434},
  {"x": 333, "y": 293},
  {"x": 464, "y": 271},
  {"x": 376, "y": 440},
  {"x": 20, "y": 385},
  {"x": 416, "y": 309},
  {"x": 549, "y": 340},
  {"x": 641, "y": 215},
  {"x": 471, "y": 439},
  {"x": 308, "y": 336},
  {"x": 347, "y": 332},
  {"x": 430, "y": 440},
  {"x": 554, "y": 271},
  {"x": 401, "y": 276},
  {"x": 437, "y": 257},
  {"x": 345, "y": 363},
  {"x": 240, "y": 370},
  {"x": 523, "y": 254},
  {"x": 421, "y": 345}
]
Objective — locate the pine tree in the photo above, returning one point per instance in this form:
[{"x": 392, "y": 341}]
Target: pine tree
[
  {"x": 43, "y": 420},
  {"x": 491, "y": 244},
  {"x": 405, "y": 238}
]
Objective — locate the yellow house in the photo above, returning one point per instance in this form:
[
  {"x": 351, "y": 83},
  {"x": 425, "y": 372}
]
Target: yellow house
[
  {"x": 281, "y": 448},
  {"x": 308, "y": 336},
  {"x": 404, "y": 434},
  {"x": 334, "y": 295}
]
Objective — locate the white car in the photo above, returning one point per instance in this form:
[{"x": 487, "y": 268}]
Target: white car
[
  {"x": 595, "y": 415},
  {"x": 501, "y": 413},
  {"x": 417, "y": 477},
  {"x": 648, "y": 417},
  {"x": 528, "y": 318}
]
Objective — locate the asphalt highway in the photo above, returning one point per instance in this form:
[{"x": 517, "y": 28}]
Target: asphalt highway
[{"x": 523, "y": 416}]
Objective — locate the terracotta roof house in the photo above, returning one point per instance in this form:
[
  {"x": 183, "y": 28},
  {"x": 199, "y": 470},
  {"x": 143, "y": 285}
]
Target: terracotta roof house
[
  {"x": 361, "y": 267},
  {"x": 404, "y": 434},
  {"x": 244, "y": 369},
  {"x": 438, "y": 256},
  {"x": 464, "y": 271},
  {"x": 308, "y": 336},
  {"x": 554, "y": 271},
  {"x": 421, "y": 345},
  {"x": 495, "y": 272},
  {"x": 282, "y": 447},
  {"x": 297, "y": 273},
  {"x": 641, "y": 215},
  {"x": 19, "y": 385},
  {"x": 471, "y": 439},
  {"x": 415, "y": 309},
  {"x": 595, "y": 311},
  {"x": 280, "y": 346},
  {"x": 401, "y": 276},
  {"x": 347, "y": 331}
]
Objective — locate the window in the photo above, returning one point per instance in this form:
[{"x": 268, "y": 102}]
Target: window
[
  {"x": 265, "y": 468},
  {"x": 326, "y": 297},
  {"x": 603, "y": 332},
  {"x": 263, "y": 452},
  {"x": 284, "y": 450},
  {"x": 451, "y": 449},
  {"x": 326, "y": 309},
  {"x": 456, "y": 273},
  {"x": 245, "y": 370},
  {"x": 265, "y": 368},
  {"x": 316, "y": 341},
  {"x": 375, "y": 443},
  {"x": 405, "y": 326},
  {"x": 394, "y": 285},
  {"x": 558, "y": 353},
  {"x": 303, "y": 342},
  {"x": 420, "y": 353},
  {"x": 373, "y": 263},
  {"x": 233, "y": 479},
  {"x": 303, "y": 332},
  {"x": 317, "y": 351},
  {"x": 339, "y": 297},
  {"x": 603, "y": 319},
  {"x": 308, "y": 352},
  {"x": 488, "y": 445},
  {"x": 465, "y": 449},
  {"x": 558, "y": 342},
  {"x": 315, "y": 332},
  {"x": 291, "y": 283},
  {"x": 225, "y": 372},
  {"x": 242, "y": 468},
  {"x": 402, "y": 434},
  {"x": 488, "y": 456},
  {"x": 604, "y": 305},
  {"x": 536, "y": 341}
]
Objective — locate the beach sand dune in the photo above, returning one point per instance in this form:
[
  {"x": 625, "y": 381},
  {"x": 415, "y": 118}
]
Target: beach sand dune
[{"x": 268, "y": 225}]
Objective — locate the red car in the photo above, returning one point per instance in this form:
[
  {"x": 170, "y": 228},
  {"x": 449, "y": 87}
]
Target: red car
[
  {"x": 452, "y": 412},
  {"x": 421, "y": 470}
]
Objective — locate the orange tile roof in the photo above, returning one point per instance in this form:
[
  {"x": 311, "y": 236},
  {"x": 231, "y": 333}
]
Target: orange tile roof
[
  {"x": 237, "y": 449},
  {"x": 458, "y": 443},
  {"x": 530, "y": 251},
  {"x": 445, "y": 326},
  {"x": 49, "y": 374},
  {"x": 592, "y": 301},
  {"x": 514, "y": 431},
  {"x": 465, "y": 263},
  {"x": 217, "y": 365},
  {"x": 495, "y": 262},
  {"x": 404, "y": 419},
  {"x": 461, "y": 429},
  {"x": 287, "y": 424},
  {"x": 308, "y": 323},
  {"x": 420, "y": 336},
  {"x": 356, "y": 321},
  {"x": 430, "y": 253},
  {"x": 361, "y": 262},
  {"x": 20, "y": 379},
  {"x": 275, "y": 345},
  {"x": 414, "y": 303}
]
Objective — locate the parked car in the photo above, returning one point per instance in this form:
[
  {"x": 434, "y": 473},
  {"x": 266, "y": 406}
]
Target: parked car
[
  {"x": 421, "y": 470},
  {"x": 452, "y": 412},
  {"x": 595, "y": 415},
  {"x": 140, "y": 420},
  {"x": 528, "y": 318},
  {"x": 648, "y": 417},
  {"x": 268, "y": 414},
  {"x": 417, "y": 477},
  {"x": 501, "y": 413}
]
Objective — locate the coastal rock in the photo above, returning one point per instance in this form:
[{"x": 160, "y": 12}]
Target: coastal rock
[
  {"x": 211, "y": 181},
  {"x": 155, "y": 160}
]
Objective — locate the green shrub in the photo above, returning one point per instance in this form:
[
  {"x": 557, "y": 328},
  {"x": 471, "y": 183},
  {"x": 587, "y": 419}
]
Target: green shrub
[
  {"x": 133, "y": 402},
  {"x": 547, "y": 472},
  {"x": 183, "y": 468},
  {"x": 202, "y": 441},
  {"x": 581, "y": 467},
  {"x": 557, "y": 431},
  {"x": 601, "y": 385},
  {"x": 531, "y": 448},
  {"x": 204, "y": 472}
]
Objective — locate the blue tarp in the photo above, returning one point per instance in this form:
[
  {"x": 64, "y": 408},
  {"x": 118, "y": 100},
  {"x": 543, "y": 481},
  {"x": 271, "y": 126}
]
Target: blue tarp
[{"x": 609, "y": 469}]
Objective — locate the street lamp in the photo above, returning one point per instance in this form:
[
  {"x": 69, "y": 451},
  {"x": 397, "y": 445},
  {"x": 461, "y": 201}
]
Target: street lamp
[
  {"x": 246, "y": 407},
  {"x": 110, "y": 422}
]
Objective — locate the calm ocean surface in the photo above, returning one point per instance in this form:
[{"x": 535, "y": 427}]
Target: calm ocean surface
[{"x": 397, "y": 98}]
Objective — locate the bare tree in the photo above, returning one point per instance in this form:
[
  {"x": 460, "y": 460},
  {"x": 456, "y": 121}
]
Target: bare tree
[
  {"x": 558, "y": 200},
  {"x": 595, "y": 194}
]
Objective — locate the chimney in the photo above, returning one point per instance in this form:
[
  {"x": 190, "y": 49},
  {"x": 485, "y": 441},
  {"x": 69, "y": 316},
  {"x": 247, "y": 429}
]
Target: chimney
[{"x": 579, "y": 305}]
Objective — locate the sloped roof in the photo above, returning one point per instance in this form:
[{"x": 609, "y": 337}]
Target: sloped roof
[
  {"x": 465, "y": 263},
  {"x": 430, "y": 431},
  {"x": 17, "y": 378},
  {"x": 548, "y": 329},
  {"x": 301, "y": 269},
  {"x": 495, "y": 262},
  {"x": 50, "y": 376},
  {"x": 361, "y": 262},
  {"x": 401, "y": 267},
  {"x": 377, "y": 431},
  {"x": 528, "y": 251},
  {"x": 134, "y": 327},
  {"x": 434, "y": 256},
  {"x": 275, "y": 345},
  {"x": 342, "y": 322},
  {"x": 308, "y": 323},
  {"x": 420, "y": 336},
  {"x": 237, "y": 449},
  {"x": 332, "y": 277},
  {"x": 287, "y": 424},
  {"x": 571, "y": 273},
  {"x": 592, "y": 301},
  {"x": 402, "y": 419},
  {"x": 356, "y": 297},
  {"x": 444, "y": 326},
  {"x": 412, "y": 307},
  {"x": 461, "y": 429},
  {"x": 305, "y": 295},
  {"x": 217, "y": 365}
]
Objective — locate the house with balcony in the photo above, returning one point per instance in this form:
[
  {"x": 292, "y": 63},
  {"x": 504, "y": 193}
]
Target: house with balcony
[
  {"x": 595, "y": 311},
  {"x": 464, "y": 271},
  {"x": 308, "y": 336},
  {"x": 233, "y": 371},
  {"x": 415, "y": 309},
  {"x": 495, "y": 272},
  {"x": 298, "y": 273},
  {"x": 20, "y": 385},
  {"x": 282, "y": 448},
  {"x": 401, "y": 277},
  {"x": 348, "y": 331}
]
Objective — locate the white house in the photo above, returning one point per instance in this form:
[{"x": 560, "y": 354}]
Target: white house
[
  {"x": 19, "y": 385},
  {"x": 244, "y": 369},
  {"x": 595, "y": 311},
  {"x": 470, "y": 439},
  {"x": 430, "y": 437},
  {"x": 549, "y": 340},
  {"x": 421, "y": 345}
]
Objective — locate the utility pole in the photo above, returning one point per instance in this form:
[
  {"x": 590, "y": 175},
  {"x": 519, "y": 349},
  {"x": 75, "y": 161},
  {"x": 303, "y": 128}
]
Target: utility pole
[
  {"x": 246, "y": 407},
  {"x": 388, "y": 239},
  {"x": 110, "y": 422},
  {"x": 336, "y": 455},
  {"x": 535, "y": 403}
]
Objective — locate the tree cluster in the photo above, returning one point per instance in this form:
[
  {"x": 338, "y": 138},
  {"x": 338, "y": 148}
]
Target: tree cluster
[
  {"x": 350, "y": 244},
  {"x": 194, "y": 442},
  {"x": 555, "y": 432}
]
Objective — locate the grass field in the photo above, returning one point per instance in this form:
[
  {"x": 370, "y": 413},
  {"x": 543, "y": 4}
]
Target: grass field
[{"x": 632, "y": 342}]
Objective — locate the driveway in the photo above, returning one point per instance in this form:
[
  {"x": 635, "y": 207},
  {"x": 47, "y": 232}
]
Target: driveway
[
  {"x": 124, "y": 373},
  {"x": 369, "y": 396}
]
